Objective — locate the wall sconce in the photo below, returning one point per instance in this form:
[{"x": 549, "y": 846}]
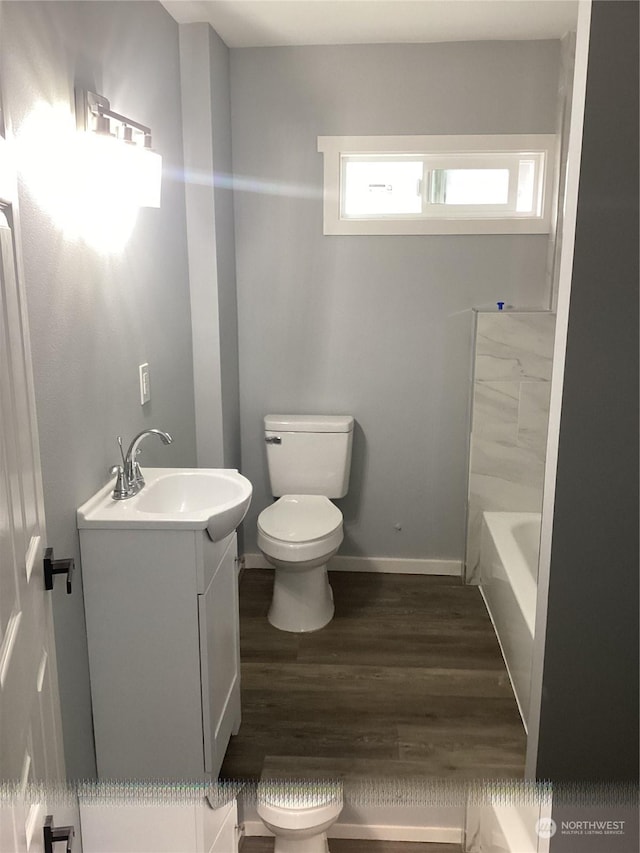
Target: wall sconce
[{"x": 126, "y": 152}]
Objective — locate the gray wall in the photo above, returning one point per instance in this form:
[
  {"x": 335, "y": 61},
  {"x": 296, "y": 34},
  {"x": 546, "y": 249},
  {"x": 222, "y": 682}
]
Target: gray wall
[
  {"x": 377, "y": 327},
  {"x": 589, "y": 711},
  {"x": 206, "y": 120},
  {"x": 95, "y": 317}
]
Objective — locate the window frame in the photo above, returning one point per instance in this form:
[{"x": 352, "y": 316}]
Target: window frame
[{"x": 441, "y": 152}]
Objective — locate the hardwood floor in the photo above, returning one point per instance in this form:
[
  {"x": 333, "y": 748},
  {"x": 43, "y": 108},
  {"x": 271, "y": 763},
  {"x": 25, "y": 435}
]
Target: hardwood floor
[{"x": 407, "y": 680}]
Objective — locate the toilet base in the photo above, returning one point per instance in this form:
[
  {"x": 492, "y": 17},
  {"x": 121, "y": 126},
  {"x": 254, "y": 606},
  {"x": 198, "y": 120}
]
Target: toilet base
[
  {"x": 302, "y": 599},
  {"x": 316, "y": 844}
]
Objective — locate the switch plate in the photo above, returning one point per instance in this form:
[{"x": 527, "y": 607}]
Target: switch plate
[{"x": 145, "y": 384}]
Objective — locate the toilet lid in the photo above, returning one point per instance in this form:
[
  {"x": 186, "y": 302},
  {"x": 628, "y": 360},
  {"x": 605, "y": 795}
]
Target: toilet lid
[{"x": 300, "y": 518}]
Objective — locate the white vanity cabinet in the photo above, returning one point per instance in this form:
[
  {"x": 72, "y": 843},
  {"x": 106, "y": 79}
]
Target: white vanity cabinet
[
  {"x": 141, "y": 827},
  {"x": 164, "y": 657}
]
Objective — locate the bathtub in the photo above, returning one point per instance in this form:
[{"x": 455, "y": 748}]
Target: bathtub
[
  {"x": 508, "y": 828},
  {"x": 509, "y": 547}
]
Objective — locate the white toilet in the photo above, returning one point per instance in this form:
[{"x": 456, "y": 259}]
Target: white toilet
[
  {"x": 309, "y": 459},
  {"x": 299, "y": 813}
]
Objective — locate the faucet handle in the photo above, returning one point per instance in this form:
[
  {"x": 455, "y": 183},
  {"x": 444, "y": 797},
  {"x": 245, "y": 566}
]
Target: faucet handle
[
  {"x": 121, "y": 490},
  {"x": 138, "y": 479}
]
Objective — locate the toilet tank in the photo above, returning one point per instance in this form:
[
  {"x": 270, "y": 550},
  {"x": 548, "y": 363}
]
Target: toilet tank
[{"x": 309, "y": 454}]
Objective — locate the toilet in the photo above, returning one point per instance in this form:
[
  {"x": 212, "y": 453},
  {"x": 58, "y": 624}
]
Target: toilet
[
  {"x": 309, "y": 461},
  {"x": 299, "y": 813}
]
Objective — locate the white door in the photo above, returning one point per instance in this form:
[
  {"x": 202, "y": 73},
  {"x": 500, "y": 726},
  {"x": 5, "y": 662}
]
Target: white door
[{"x": 30, "y": 724}]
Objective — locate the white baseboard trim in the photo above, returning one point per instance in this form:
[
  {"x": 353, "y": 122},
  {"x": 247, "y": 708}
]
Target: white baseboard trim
[
  {"x": 374, "y": 832},
  {"x": 385, "y": 565},
  {"x": 381, "y": 832}
]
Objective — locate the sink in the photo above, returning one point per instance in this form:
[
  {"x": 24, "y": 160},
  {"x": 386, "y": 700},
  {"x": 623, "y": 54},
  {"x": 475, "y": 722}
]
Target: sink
[
  {"x": 215, "y": 499},
  {"x": 192, "y": 491}
]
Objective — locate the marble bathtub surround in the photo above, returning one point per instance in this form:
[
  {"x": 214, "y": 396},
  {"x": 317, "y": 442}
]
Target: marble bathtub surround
[
  {"x": 514, "y": 346},
  {"x": 510, "y": 413},
  {"x": 533, "y": 415},
  {"x": 496, "y": 405}
]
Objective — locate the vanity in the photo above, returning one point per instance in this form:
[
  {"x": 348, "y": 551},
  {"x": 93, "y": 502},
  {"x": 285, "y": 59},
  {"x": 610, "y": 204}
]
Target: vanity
[{"x": 160, "y": 578}]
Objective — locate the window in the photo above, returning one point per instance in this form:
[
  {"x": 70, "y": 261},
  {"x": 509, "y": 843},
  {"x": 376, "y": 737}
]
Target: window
[{"x": 437, "y": 184}]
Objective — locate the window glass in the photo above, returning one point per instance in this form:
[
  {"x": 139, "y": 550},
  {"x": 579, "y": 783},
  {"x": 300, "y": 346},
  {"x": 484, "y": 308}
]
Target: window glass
[
  {"x": 469, "y": 186},
  {"x": 382, "y": 187}
]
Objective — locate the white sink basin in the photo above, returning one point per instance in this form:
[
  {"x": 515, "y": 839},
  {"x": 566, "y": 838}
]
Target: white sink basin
[{"x": 175, "y": 498}]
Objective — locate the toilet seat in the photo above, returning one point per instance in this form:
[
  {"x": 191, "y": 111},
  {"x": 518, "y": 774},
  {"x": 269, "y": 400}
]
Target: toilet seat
[
  {"x": 300, "y": 518},
  {"x": 290, "y": 807},
  {"x": 300, "y": 529}
]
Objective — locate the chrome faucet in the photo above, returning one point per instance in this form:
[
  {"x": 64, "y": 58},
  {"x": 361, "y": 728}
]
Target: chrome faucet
[{"x": 129, "y": 476}]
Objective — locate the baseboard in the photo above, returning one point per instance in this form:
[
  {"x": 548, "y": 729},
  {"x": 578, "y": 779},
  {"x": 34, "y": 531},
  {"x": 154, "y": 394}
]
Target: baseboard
[
  {"x": 385, "y": 565},
  {"x": 374, "y": 832},
  {"x": 256, "y": 829},
  {"x": 381, "y": 832}
]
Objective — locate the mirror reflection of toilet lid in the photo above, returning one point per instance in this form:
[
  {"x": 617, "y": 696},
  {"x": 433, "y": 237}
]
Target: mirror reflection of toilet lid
[
  {"x": 299, "y": 795},
  {"x": 300, "y": 518}
]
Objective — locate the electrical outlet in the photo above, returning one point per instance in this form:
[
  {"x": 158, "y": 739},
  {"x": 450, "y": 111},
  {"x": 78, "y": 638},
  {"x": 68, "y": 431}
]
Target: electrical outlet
[{"x": 145, "y": 384}]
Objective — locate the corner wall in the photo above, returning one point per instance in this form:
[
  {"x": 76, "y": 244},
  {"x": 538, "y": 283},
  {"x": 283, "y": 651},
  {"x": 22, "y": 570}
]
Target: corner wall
[
  {"x": 206, "y": 130},
  {"x": 589, "y": 695}
]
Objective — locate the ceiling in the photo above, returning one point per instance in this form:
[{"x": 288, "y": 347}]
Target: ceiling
[{"x": 257, "y": 23}]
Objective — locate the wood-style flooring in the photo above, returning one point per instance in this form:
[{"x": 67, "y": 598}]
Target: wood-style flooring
[{"x": 407, "y": 680}]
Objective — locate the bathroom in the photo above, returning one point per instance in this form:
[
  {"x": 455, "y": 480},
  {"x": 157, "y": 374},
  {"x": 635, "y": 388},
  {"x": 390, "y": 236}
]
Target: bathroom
[{"x": 324, "y": 325}]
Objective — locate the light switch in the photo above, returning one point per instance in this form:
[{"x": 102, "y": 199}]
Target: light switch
[{"x": 145, "y": 384}]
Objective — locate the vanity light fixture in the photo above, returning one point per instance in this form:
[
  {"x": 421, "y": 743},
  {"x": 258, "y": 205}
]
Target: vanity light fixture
[{"x": 129, "y": 145}]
